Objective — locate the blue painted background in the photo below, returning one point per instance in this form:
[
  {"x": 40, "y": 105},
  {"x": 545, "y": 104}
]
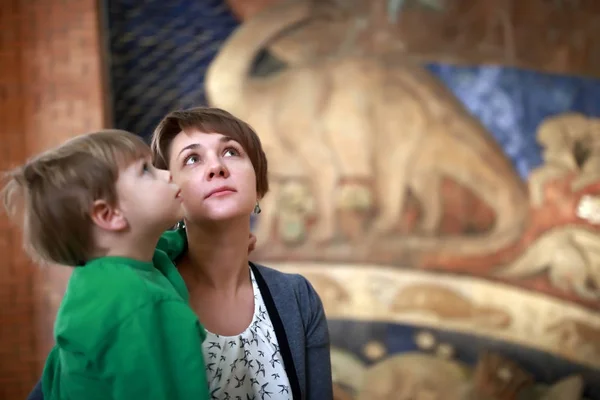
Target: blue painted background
[{"x": 160, "y": 51}]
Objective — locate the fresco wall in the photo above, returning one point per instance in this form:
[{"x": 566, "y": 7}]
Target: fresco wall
[{"x": 447, "y": 215}]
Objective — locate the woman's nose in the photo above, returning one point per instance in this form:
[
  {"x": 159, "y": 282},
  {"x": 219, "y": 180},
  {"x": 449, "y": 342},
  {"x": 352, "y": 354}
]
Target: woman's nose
[{"x": 217, "y": 169}]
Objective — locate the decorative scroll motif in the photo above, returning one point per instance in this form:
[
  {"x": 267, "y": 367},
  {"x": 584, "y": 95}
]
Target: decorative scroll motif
[
  {"x": 464, "y": 304},
  {"x": 472, "y": 306}
]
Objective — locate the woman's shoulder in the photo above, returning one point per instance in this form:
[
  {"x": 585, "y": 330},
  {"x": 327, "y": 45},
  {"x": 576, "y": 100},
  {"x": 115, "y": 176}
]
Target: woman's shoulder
[
  {"x": 295, "y": 300},
  {"x": 283, "y": 285},
  {"x": 275, "y": 276}
]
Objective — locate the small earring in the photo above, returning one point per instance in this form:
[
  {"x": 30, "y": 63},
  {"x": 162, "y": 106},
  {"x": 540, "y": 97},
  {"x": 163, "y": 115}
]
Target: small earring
[{"x": 257, "y": 209}]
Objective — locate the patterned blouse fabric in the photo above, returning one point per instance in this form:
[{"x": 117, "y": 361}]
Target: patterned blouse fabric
[{"x": 247, "y": 366}]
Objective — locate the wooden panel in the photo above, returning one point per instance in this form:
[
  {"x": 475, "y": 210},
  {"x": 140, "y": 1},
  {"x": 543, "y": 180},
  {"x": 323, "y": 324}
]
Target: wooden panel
[
  {"x": 18, "y": 357},
  {"x": 51, "y": 88}
]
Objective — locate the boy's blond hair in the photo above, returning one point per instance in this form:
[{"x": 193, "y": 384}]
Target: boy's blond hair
[{"x": 52, "y": 194}]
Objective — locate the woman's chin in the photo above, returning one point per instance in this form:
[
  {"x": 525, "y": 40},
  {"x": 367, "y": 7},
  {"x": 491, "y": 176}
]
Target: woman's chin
[{"x": 222, "y": 214}]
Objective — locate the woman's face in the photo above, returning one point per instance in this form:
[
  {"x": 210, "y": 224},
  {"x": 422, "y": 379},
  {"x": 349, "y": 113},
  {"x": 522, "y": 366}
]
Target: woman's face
[{"x": 215, "y": 175}]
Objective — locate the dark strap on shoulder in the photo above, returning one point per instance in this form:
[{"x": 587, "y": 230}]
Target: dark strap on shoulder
[{"x": 284, "y": 346}]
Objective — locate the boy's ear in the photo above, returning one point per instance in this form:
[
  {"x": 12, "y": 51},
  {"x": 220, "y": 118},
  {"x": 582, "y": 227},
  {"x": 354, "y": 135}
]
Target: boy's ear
[{"x": 107, "y": 217}]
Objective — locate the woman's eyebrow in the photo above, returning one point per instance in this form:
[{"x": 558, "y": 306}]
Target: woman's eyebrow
[
  {"x": 190, "y": 147},
  {"x": 222, "y": 139}
]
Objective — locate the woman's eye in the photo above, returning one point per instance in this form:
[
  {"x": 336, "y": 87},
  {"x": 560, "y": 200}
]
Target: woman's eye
[
  {"x": 145, "y": 167},
  {"x": 192, "y": 159},
  {"x": 231, "y": 152}
]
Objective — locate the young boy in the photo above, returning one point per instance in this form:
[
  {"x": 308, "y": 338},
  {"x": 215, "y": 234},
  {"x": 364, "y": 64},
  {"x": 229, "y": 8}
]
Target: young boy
[{"x": 124, "y": 329}]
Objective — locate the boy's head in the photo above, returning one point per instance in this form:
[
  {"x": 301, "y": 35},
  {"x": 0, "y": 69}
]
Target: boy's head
[{"x": 72, "y": 199}]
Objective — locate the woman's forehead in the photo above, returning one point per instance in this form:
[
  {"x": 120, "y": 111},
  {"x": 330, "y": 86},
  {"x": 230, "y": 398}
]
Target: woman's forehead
[
  {"x": 205, "y": 139},
  {"x": 196, "y": 138}
]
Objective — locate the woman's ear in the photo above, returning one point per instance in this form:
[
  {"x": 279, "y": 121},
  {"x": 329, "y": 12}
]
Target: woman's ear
[{"x": 107, "y": 217}]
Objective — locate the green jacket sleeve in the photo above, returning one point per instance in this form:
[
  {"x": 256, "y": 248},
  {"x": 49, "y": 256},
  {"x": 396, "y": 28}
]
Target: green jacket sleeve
[
  {"x": 156, "y": 354},
  {"x": 167, "y": 268},
  {"x": 173, "y": 243}
]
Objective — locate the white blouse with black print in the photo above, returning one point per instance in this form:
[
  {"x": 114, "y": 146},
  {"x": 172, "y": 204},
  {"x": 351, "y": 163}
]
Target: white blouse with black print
[{"x": 247, "y": 366}]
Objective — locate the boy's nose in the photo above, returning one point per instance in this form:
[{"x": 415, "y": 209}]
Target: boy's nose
[{"x": 166, "y": 175}]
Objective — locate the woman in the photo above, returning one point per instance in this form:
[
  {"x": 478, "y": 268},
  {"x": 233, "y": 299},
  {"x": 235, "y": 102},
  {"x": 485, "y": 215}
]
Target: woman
[{"x": 267, "y": 335}]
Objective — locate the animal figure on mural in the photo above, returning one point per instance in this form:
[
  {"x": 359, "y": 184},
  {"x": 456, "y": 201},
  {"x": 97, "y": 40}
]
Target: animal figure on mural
[
  {"x": 384, "y": 122},
  {"x": 497, "y": 377},
  {"x": 348, "y": 372},
  {"x": 571, "y": 257},
  {"x": 415, "y": 375},
  {"x": 569, "y": 254},
  {"x": 576, "y": 337},
  {"x": 569, "y": 388},
  {"x": 571, "y": 146}
]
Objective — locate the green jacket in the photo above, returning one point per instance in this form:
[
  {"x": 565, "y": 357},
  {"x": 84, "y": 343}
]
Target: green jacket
[{"x": 124, "y": 331}]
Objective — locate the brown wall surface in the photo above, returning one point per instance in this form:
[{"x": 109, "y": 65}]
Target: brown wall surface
[
  {"x": 550, "y": 36},
  {"x": 51, "y": 88}
]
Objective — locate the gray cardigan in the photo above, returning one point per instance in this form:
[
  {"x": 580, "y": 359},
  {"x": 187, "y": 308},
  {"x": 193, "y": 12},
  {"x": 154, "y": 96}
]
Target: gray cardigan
[
  {"x": 293, "y": 305},
  {"x": 304, "y": 326}
]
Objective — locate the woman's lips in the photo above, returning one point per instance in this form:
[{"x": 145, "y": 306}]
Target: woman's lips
[{"x": 222, "y": 191}]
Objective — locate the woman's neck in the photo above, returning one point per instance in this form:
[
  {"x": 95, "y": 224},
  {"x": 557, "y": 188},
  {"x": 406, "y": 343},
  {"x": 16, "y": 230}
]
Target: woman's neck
[{"x": 218, "y": 254}]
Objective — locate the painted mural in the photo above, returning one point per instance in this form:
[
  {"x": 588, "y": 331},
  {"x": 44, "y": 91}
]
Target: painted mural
[{"x": 448, "y": 216}]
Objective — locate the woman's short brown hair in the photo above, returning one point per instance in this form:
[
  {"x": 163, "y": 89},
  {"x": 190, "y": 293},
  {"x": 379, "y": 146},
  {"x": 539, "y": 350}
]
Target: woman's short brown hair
[{"x": 208, "y": 120}]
